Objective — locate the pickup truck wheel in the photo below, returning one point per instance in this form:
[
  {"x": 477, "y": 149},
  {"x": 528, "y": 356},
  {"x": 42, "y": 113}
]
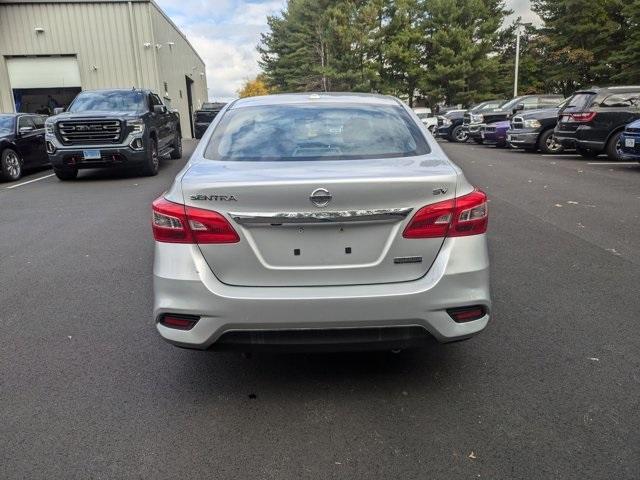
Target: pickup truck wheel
[
  {"x": 10, "y": 165},
  {"x": 547, "y": 143},
  {"x": 176, "y": 152},
  {"x": 65, "y": 174},
  {"x": 587, "y": 152},
  {"x": 152, "y": 162},
  {"x": 458, "y": 135},
  {"x": 614, "y": 147}
]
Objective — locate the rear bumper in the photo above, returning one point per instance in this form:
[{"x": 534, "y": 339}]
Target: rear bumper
[
  {"x": 630, "y": 153},
  {"x": 184, "y": 284},
  {"x": 582, "y": 138},
  {"x": 523, "y": 138}
]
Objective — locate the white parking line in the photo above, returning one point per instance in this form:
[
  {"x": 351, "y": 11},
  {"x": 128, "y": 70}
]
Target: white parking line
[
  {"x": 612, "y": 163},
  {"x": 30, "y": 181}
]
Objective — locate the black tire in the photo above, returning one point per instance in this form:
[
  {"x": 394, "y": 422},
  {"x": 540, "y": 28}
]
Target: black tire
[
  {"x": 547, "y": 144},
  {"x": 10, "y": 165},
  {"x": 152, "y": 162},
  {"x": 587, "y": 152},
  {"x": 458, "y": 135},
  {"x": 66, "y": 174},
  {"x": 176, "y": 152},
  {"x": 613, "y": 147}
]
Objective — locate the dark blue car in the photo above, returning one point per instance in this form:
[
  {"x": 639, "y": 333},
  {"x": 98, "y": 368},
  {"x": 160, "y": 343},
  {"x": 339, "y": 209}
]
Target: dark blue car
[{"x": 629, "y": 146}]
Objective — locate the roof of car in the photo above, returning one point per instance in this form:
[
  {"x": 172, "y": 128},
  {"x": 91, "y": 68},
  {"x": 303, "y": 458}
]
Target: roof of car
[
  {"x": 616, "y": 88},
  {"x": 143, "y": 90},
  {"x": 315, "y": 97}
]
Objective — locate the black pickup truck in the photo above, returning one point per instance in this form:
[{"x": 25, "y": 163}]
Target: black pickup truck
[
  {"x": 473, "y": 122},
  {"x": 203, "y": 117},
  {"x": 112, "y": 128}
]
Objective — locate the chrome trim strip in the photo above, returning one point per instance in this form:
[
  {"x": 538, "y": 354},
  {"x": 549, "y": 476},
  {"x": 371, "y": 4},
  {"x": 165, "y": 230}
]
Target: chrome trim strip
[{"x": 344, "y": 216}]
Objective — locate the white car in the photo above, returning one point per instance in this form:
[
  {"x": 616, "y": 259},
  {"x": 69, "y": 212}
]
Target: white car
[
  {"x": 319, "y": 221},
  {"x": 427, "y": 117}
]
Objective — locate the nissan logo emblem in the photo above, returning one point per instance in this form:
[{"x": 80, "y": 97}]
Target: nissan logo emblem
[{"x": 320, "y": 197}]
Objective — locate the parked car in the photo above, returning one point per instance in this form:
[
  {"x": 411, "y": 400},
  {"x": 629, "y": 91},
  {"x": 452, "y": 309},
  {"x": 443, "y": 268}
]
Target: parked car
[
  {"x": 427, "y": 117},
  {"x": 113, "y": 128},
  {"x": 473, "y": 121},
  {"x": 495, "y": 134},
  {"x": 203, "y": 117},
  {"x": 21, "y": 144},
  {"x": 319, "y": 224},
  {"x": 450, "y": 125},
  {"x": 534, "y": 130},
  {"x": 593, "y": 120},
  {"x": 629, "y": 148}
]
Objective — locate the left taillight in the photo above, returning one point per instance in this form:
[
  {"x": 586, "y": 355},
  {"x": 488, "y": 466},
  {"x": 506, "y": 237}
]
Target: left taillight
[
  {"x": 176, "y": 223},
  {"x": 459, "y": 217}
]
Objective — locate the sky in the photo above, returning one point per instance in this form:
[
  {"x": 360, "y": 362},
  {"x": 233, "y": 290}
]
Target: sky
[{"x": 225, "y": 34}]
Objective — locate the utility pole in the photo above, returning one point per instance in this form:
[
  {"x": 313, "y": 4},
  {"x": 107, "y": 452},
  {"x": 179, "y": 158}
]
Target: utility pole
[{"x": 515, "y": 74}]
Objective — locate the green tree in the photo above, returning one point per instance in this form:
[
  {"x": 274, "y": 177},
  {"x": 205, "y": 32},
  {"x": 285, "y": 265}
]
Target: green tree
[
  {"x": 461, "y": 40},
  {"x": 580, "y": 37},
  {"x": 626, "y": 59}
]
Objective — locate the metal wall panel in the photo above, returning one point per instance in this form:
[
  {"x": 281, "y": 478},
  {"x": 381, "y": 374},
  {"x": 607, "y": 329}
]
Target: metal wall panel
[
  {"x": 114, "y": 42},
  {"x": 175, "y": 63}
]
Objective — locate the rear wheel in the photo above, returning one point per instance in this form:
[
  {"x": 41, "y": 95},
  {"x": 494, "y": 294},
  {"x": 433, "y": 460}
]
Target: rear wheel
[
  {"x": 65, "y": 174},
  {"x": 548, "y": 144},
  {"x": 458, "y": 135},
  {"x": 176, "y": 152},
  {"x": 614, "y": 147},
  {"x": 152, "y": 162},
  {"x": 10, "y": 165},
  {"x": 587, "y": 152}
]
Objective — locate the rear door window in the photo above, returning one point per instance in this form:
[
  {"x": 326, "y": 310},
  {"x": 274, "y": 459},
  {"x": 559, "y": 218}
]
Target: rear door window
[
  {"x": 25, "y": 121},
  {"x": 621, "y": 100},
  {"x": 315, "y": 132}
]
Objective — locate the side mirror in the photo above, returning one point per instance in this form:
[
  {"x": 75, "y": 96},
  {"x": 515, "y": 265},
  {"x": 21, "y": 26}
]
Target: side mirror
[
  {"x": 159, "y": 109},
  {"x": 518, "y": 107},
  {"x": 24, "y": 130},
  {"x": 58, "y": 110}
]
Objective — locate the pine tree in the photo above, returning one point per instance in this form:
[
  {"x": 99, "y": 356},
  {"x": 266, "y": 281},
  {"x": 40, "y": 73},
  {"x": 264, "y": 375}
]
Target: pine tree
[
  {"x": 461, "y": 37},
  {"x": 580, "y": 37}
]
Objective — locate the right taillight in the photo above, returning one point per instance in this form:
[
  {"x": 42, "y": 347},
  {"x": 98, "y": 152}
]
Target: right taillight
[
  {"x": 583, "y": 116},
  {"x": 459, "y": 217},
  {"x": 176, "y": 223}
]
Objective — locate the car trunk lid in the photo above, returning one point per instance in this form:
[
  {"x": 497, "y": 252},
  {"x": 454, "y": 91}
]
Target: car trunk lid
[{"x": 350, "y": 232}]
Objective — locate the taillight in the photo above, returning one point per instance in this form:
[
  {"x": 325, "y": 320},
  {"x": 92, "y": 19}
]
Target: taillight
[
  {"x": 583, "y": 116},
  {"x": 459, "y": 217},
  {"x": 176, "y": 223}
]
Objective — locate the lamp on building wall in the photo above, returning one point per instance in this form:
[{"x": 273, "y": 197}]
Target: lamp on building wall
[
  {"x": 147, "y": 45},
  {"x": 94, "y": 68},
  {"x": 39, "y": 30}
]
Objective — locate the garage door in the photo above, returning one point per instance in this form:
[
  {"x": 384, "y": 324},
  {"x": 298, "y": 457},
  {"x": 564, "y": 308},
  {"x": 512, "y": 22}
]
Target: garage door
[{"x": 43, "y": 72}]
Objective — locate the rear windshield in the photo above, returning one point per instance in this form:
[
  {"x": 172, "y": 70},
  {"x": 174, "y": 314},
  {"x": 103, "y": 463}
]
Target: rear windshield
[
  {"x": 120, "y": 101},
  {"x": 579, "y": 102},
  {"x": 207, "y": 116},
  {"x": 315, "y": 132}
]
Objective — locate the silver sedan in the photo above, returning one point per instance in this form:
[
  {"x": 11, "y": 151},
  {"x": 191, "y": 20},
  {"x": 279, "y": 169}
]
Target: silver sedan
[{"x": 307, "y": 221}]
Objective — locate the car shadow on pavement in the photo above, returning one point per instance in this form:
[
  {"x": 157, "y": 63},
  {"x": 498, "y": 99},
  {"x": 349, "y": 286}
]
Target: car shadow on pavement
[
  {"x": 115, "y": 173},
  {"x": 433, "y": 366}
]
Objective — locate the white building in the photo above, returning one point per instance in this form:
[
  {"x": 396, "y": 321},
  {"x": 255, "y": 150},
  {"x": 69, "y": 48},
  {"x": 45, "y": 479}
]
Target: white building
[{"x": 50, "y": 50}]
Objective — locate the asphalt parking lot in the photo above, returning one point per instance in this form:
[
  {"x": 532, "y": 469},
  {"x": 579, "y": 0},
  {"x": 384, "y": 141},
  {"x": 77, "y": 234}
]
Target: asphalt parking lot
[{"x": 550, "y": 390}]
